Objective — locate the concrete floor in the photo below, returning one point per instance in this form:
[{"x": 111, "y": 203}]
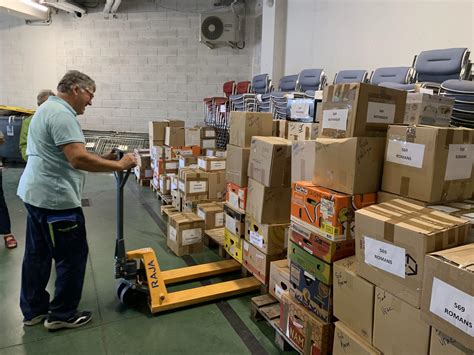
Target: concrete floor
[{"x": 216, "y": 328}]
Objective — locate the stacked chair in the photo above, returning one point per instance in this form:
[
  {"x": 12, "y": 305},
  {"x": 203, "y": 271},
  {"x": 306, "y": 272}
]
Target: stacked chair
[
  {"x": 261, "y": 84},
  {"x": 463, "y": 93},
  {"x": 278, "y": 99},
  {"x": 310, "y": 81},
  {"x": 216, "y": 108},
  {"x": 394, "y": 77}
]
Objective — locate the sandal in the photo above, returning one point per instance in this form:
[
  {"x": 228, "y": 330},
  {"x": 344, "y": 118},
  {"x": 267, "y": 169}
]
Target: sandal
[{"x": 10, "y": 241}]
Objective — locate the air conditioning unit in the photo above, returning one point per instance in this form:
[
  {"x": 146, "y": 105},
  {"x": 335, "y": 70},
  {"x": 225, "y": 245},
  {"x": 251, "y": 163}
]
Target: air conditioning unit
[{"x": 220, "y": 28}]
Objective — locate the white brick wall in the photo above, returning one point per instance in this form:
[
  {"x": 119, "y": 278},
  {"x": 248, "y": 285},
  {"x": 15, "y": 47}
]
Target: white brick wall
[{"x": 147, "y": 63}]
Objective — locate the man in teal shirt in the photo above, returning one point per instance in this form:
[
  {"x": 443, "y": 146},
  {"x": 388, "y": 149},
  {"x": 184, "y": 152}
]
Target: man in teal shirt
[{"x": 51, "y": 188}]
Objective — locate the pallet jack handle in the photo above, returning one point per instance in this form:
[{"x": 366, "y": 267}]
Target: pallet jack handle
[{"x": 121, "y": 178}]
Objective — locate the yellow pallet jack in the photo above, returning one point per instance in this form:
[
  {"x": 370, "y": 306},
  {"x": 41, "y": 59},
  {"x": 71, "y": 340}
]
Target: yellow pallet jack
[{"x": 139, "y": 273}]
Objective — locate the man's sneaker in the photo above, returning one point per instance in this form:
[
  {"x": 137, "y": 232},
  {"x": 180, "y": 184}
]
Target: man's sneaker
[
  {"x": 77, "y": 320},
  {"x": 36, "y": 320}
]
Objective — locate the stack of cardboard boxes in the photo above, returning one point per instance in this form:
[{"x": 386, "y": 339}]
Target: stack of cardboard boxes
[
  {"x": 143, "y": 171},
  {"x": 243, "y": 126}
]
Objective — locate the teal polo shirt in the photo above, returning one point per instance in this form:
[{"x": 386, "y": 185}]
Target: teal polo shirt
[{"x": 49, "y": 181}]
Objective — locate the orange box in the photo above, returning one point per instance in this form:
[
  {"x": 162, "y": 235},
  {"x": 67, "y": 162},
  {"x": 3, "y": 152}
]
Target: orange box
[
  {"x": 173, "y": 152},
  {"x": 236, "y": 196},
  {"x": 326, "y": 212}
]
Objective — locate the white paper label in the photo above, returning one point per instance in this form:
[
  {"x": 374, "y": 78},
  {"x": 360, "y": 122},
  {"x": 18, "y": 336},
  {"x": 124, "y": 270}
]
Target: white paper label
[
  {"x": 181, "y": 185},
  {"x": 246, "y": 246},
  {"x": 208, "y": 143},
  {"x": 172, "y": 235},
  {"x": 453, "y": 305},
  {"x": 335, "y": 119},
  {"x": 210, "y": 133},
  {"x": 219, "y": 153},
  {"x": 197, "y": 186},
  {"x": 299, "y": 109},
  {"x": 405, "y": 153},
  {"x": 201, "y": 213},
  {"x": 172, "y": 165},
  {"x": 218, "y": 165},
  {"x": 387, "y": 257},
  {"x": 234, "y": 199},
  {"x": 222, "y": 109},
  {"x": 459, "y": 165},
  {"x": 210, "y": 153},
  {"x": 186, "y": 152},
  {"x": 426, "y": 91},
  {"x": 219, "y": 219},
  {"x": 278, "y": 291},
  {"x": 318, "y": 94},
  {"x": 446, "y": 209},
  {"x": 191, "y": 236},
  {"x": 182, "y": 163},
  {"x": 161, "y": 185},
  {"x": 380, "y": 113},
  {"x": 256, "y": 239},
  {"x": 202, "y": 163},
  {"x": 230, "y": 224},
  {"x": 173, "y": 185}
]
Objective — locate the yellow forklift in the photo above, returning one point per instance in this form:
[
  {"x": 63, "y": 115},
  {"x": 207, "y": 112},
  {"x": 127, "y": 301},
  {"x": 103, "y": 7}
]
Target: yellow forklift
[{"x": 139, "y": 273}]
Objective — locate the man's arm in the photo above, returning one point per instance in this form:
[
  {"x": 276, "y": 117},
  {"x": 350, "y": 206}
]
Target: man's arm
[{"x": 80, "y": 158}]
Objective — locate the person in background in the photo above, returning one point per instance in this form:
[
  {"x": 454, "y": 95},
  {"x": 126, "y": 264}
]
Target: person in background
[
  {"x": 51, "y": 188},
  {"x": 5, "y": 225},
  {"x": 40, "y": 98}
]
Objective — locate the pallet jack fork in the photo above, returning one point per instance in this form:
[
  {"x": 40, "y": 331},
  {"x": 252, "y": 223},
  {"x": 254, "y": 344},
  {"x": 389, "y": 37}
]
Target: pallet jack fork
[{"x": 139, "y": 273}]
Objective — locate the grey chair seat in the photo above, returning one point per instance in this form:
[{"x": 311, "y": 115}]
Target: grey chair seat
[
  {"x": 398, "y": 86},
  {"x": 466, "y": 109},
  {"x": 458, "y": 86}
]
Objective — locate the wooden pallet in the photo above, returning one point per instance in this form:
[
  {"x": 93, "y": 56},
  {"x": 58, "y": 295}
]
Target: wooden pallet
[
  {"x": 154, "y": 188},
  {"x": 142, "y": 182},
  {"x": 216, "y": 237},
  {"x": 165, "y": 199},
  {"x": 266, "y": 307}
]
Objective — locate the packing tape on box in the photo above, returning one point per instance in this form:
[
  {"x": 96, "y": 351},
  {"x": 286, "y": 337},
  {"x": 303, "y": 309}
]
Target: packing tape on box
[{"x": 404, "y": 185}]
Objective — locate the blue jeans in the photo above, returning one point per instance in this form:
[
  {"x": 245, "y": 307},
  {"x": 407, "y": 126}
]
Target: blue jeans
[
  {"x": 5, "y": 227},
  {"x": 58, "y": 235}
]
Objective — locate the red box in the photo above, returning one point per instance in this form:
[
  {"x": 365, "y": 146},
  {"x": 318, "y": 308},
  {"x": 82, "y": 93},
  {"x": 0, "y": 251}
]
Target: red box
[{"x": 236, "y": 197}]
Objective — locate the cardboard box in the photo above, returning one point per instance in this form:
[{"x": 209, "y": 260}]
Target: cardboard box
[
  {"x": 383, "y": 196},
  {"x": 177, "y": 199},
  {"x": 348, "y": 342},
  {"x": 157, "y": 152},
  {"x": 448, "y": 293},
  {"x": 353, "y": 298},
  {"x": 270, "y": 161},
  {"x": 211, "y": 163},
  {"x": 185, "y": 233},
  {"x": 270, "y": 239},
  {"x": 441, "y": 344},
  {"x": 208, "y": 132},
  {"x": 275, "y": 127},
  {"x": 311, "y": 292},
  {"x": 217, "y": 186},
  {"x": 245, "y": 125},
  {"x": 155, "y": 143},
  {"x": 268, "y": 204},
  {"x": 300, "y": 131},
  {"x": 174, "y": 136},
  {"x": 431, "y": 164},
  {"x": 463, "y": 209},
  {"x": 233, "y": 245},
  {"x": 237, "y": 165},
  {"x": 309, "y": 263},
  {"x": 236, "y": 197},
  {"x": 208, "y": 143},
  {"x": 303, "y": 155},
  {"x": 360, "y": 110},
  {"x": 156, "y": 130},
  {"x": 143, "y": 160},
  {"x": 167, "y": 166},
  {"x": 164, "y": 184},
  {"x": 349, "y": 165},
  {"x": 279, "y": 278},
  {"x": 143, "y": 173},
  {"x": 192, "y": 136},
  {"x": 175, "y": 123},
  {"x": 213, "y": 152},
  {"x": 398, "y": 328},
  {"x": 234, "y": 221},
  {"x": 193, "y": 182},
  {"x": 329, "y": 213},
  {"x": 187, "y": 161},
  {"x": 212, "y": 213},
  {"x": 308, "y": 333},
  {"x": 392, "y": 240},
  {"x": 432, "y": 110},
  {"x": 174, "y": 152},
  {"x": 323, "y": 248},
  {"x": 258, "y": 263},
  {"x": 283, "y": 129}
]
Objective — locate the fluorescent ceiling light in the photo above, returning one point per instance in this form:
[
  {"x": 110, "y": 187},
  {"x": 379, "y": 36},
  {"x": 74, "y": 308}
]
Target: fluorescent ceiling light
[{"x": 35, "y": 5}]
